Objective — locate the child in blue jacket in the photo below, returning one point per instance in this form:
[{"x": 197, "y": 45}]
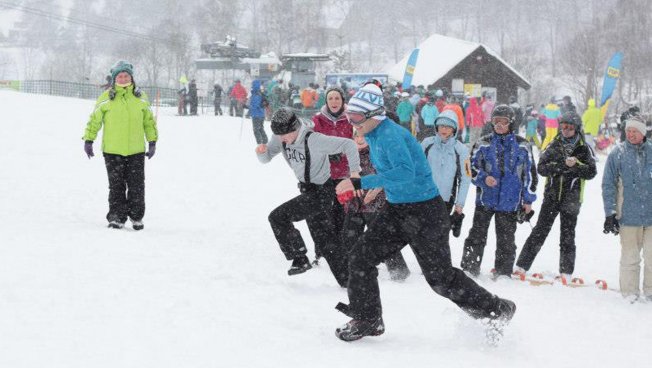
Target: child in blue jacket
[{"x": 505, "y": 175}]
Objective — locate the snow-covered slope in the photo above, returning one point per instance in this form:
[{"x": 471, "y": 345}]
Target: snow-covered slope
[{"x": 205, "y": 285}]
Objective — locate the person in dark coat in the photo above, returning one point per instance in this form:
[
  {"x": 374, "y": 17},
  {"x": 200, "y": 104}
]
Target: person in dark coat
[
  {"x": 192, "y": 97},
  {"x": 217, "y": 98},
  {"x": 566, "y": 163}
]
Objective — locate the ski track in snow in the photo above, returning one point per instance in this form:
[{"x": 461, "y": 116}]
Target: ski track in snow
[{"x": 205, "y": 285}]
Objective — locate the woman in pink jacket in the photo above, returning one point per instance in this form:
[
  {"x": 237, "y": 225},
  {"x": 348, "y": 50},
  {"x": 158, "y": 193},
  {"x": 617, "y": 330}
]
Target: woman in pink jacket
[{"x": 330, "y": 120}]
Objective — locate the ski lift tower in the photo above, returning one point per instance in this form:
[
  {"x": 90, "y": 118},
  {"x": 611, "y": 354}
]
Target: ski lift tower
[
  {"x": 229, "y": 55},
  {"x": 299, "y": 68}
]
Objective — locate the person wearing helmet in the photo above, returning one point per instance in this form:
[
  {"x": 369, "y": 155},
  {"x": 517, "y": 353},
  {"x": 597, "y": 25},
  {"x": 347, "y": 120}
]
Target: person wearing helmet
[
  {"x": 451, "y": 170},
  {"x": 567, "y": 163},
  {"x": 307, "y": 153},
  {"x": 504, "y": 172},
  {"x": 414, "y": 214},
  {"x": 125, "y": 114}
]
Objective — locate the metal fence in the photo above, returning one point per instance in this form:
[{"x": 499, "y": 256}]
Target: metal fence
[{"x": 168, "y": 96}]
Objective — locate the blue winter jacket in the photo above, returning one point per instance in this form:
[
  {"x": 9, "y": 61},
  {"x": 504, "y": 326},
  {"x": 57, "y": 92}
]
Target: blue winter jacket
[
  {"x": 401, "y": 167},
  {"x": 441, "y": 157},
  {"x": 630, "y": 166},
  {"x": 508, "y": 158},
  {"x": 256, "y": 109},
  {"x": 429, "y": 113}
]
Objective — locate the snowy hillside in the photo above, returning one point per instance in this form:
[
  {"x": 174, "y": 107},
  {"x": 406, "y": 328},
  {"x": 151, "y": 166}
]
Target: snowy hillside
[{"x": 205, "y": 285}]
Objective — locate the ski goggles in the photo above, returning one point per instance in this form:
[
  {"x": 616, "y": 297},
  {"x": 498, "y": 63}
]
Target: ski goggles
[
  {"x": 567, "y": 126},
  {"x": 357, "y": 118},
  {"x": 500, "y": 120}
]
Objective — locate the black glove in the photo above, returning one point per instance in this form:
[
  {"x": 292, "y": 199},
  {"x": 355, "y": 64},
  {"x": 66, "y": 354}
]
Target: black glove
[
  {"x": 456, "y": 223},
  {"x": 88, "y": 148},
  {"x": 152, "y": 150},
  {"x": 611, "y": 225},
  {"x": 522, "y": 217}
]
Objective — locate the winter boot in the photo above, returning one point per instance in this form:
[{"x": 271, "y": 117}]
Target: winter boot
[
  {"x": 356, "y": 329},
  {"x": 137, "y": 225},
  {"x": 519, "y": 273},
  {"x": 299, "y": 265},
  {"x": 498, "y": 320},
  {"x": 116, "y": 224}
]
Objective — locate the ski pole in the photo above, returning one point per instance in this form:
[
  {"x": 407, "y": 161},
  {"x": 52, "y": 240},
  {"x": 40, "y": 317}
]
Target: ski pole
[{"x": 241, "y": 126}]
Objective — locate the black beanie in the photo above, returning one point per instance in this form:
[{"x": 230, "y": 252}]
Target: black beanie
[{"x": 284, "y": 121}]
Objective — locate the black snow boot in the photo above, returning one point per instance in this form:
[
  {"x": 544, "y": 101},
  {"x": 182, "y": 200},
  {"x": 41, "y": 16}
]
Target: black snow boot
[
  {"x": 299, "y": 265},
  {"x": 137, "y": 225},
  {"x": 498, "y": 320},
  {"x": 506, "y": 309},
  {"x": 356, "y": 329},
  {"x": 113, "y": 224}
]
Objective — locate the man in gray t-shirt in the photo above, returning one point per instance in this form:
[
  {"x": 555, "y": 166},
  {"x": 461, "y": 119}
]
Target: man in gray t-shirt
[{"x": 307, "y": 154}]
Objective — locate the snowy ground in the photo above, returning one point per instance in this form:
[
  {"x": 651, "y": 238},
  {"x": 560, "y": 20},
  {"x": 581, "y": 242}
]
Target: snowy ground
[{"x": 205, "y": 285}]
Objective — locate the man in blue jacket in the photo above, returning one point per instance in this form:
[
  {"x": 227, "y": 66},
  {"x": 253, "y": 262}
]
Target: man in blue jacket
[
  {"x": 626, "y": 192},
  {"x": 257, "y": 112},
  {"x": 504, "y": 172},
  {"x": 415, "y": 214}
]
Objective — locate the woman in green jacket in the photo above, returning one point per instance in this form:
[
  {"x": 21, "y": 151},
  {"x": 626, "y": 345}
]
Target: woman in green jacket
[{"x": 125, "y": 113}]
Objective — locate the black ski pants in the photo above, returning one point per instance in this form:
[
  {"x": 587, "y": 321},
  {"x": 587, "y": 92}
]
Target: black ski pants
[
  {"x": 337, "y": 216},
  {"x": 218, "y": 106},
  {"x": 353, "y": 228},
  {"x": 477, "y": 240},
  {"x": 126, "y": 186},
  {"x": 259, "y": 130},
  {"x": 425, "y": 226},
  {"x": 568, "y": 220},
  {"x": 314, "y": 206}
]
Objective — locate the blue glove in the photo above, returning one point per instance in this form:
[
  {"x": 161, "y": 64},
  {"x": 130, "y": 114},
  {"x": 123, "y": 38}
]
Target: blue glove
[
  {"x": 152, "y": 150},
  {"x": 88, "y": 148}
]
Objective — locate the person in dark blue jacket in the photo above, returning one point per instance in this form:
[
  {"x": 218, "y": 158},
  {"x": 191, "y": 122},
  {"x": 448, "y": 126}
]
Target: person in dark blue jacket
[
  {"x": 415, "y": 214},
  {"x": 257, "y": 112},
  {"x": 505, "y": 175}
]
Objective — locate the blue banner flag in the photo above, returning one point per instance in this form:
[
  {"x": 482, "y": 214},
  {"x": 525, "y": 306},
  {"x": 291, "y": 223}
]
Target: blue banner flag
[
  {"x": 409, "y": 69},
  {"x": 610, "y": 78}
]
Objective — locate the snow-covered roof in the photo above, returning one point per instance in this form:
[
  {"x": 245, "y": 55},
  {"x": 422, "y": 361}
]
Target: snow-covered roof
[{"x": 438, "y": 55}]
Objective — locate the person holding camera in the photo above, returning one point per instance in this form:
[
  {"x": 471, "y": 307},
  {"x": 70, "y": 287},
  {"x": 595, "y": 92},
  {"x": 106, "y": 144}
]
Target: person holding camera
[
  {"x": 504, "y": 172},
  {"x": 307, "y": 152},
  {"x": 567, "y": 163}
]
